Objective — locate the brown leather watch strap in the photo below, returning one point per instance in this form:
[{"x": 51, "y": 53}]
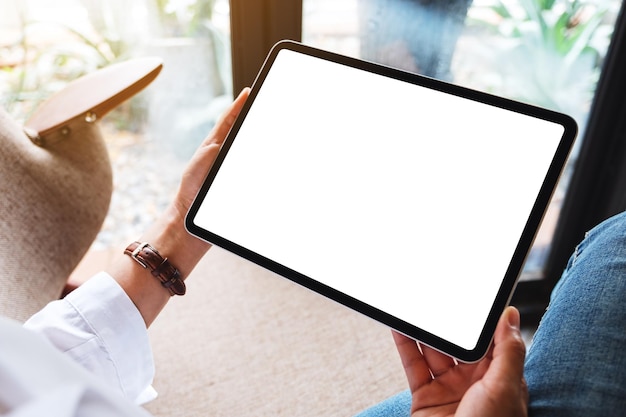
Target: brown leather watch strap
[{"x": 149, "y": 258}]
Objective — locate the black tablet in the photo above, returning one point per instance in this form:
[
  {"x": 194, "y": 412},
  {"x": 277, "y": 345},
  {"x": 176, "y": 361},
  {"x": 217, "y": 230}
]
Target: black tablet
[{"x": 407, "y": 199}]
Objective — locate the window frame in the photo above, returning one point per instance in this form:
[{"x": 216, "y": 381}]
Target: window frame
[{"x": 255, "y": 26}]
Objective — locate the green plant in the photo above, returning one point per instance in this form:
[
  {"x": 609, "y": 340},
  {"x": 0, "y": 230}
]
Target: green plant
[
  {"x": 553, "y": 49},
  {"x": 184, "y": 18},
  {"x": 39, "y": 67}
]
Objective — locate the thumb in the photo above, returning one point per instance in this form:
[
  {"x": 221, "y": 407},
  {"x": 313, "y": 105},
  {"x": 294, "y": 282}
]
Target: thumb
[
  {"x": 502, "y": 390},
  {"x": 505, "y": 377},
  {"x": 509, "y": 349}
]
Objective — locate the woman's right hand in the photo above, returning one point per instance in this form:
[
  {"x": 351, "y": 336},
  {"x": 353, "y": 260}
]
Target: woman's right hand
[{"x": 494, "y": 386}]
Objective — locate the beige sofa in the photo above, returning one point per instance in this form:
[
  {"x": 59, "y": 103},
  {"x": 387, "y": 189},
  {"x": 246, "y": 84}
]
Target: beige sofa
[{"x": 243, "y": 341}]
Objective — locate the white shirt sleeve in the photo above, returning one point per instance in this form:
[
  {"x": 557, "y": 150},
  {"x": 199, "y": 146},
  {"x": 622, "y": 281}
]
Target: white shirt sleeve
[
  {"x": 100, "y": 328},
  {"x": 38, "y": 380}
]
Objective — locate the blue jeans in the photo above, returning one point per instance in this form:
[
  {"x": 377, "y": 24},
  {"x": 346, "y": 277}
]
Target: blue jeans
[{"x": 576, "y": 364}]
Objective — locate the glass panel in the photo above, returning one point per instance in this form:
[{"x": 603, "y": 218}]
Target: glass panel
[
  {"x": 545, "y": 52},
  {"x": 46, "y": 44}
]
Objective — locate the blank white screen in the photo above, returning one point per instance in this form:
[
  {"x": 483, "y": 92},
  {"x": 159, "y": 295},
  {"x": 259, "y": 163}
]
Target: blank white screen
[{"x": 408, "y": 199}]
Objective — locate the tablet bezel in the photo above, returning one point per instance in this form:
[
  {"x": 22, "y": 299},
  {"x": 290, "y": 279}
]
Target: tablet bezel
[{"x": 525, "y": 242}]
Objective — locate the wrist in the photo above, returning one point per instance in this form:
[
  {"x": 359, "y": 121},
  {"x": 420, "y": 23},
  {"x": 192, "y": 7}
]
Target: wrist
[{"x": 172, "y": 240}]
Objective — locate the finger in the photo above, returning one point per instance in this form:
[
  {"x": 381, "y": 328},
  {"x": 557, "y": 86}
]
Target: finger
[
  {"x": 206, "y": 153},
  {"x": 415, "y": 367},
  {"x": 504, "y": 378},
  {"x": 509, "y": 350},
  {"x": 438, "y": 362},
  {"x": 525, "y": 393},
  {"x": 211, "y": 153},
  {"x": 226, "y": 121}
]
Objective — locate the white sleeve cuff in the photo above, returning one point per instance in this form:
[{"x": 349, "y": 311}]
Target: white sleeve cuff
[{"x": 98, "y": 326}]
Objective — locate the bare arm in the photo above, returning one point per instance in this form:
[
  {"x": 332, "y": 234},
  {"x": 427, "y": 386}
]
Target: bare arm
[{"x": 168, "y": 234}]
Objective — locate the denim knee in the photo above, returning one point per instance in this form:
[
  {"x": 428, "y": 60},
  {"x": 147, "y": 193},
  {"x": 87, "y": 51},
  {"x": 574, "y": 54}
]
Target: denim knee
[{"x": 575, "y": 365}]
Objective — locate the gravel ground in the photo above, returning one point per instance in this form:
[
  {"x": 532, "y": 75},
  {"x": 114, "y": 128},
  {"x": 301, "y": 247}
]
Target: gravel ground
[{"x": 145, "y": 178}]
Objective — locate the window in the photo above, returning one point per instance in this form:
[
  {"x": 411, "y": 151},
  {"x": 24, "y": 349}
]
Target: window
[
  {"x": 548, "y": 53},
  {"x": 560, "y": 54},
  {"x": 150, "y": 138}
]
